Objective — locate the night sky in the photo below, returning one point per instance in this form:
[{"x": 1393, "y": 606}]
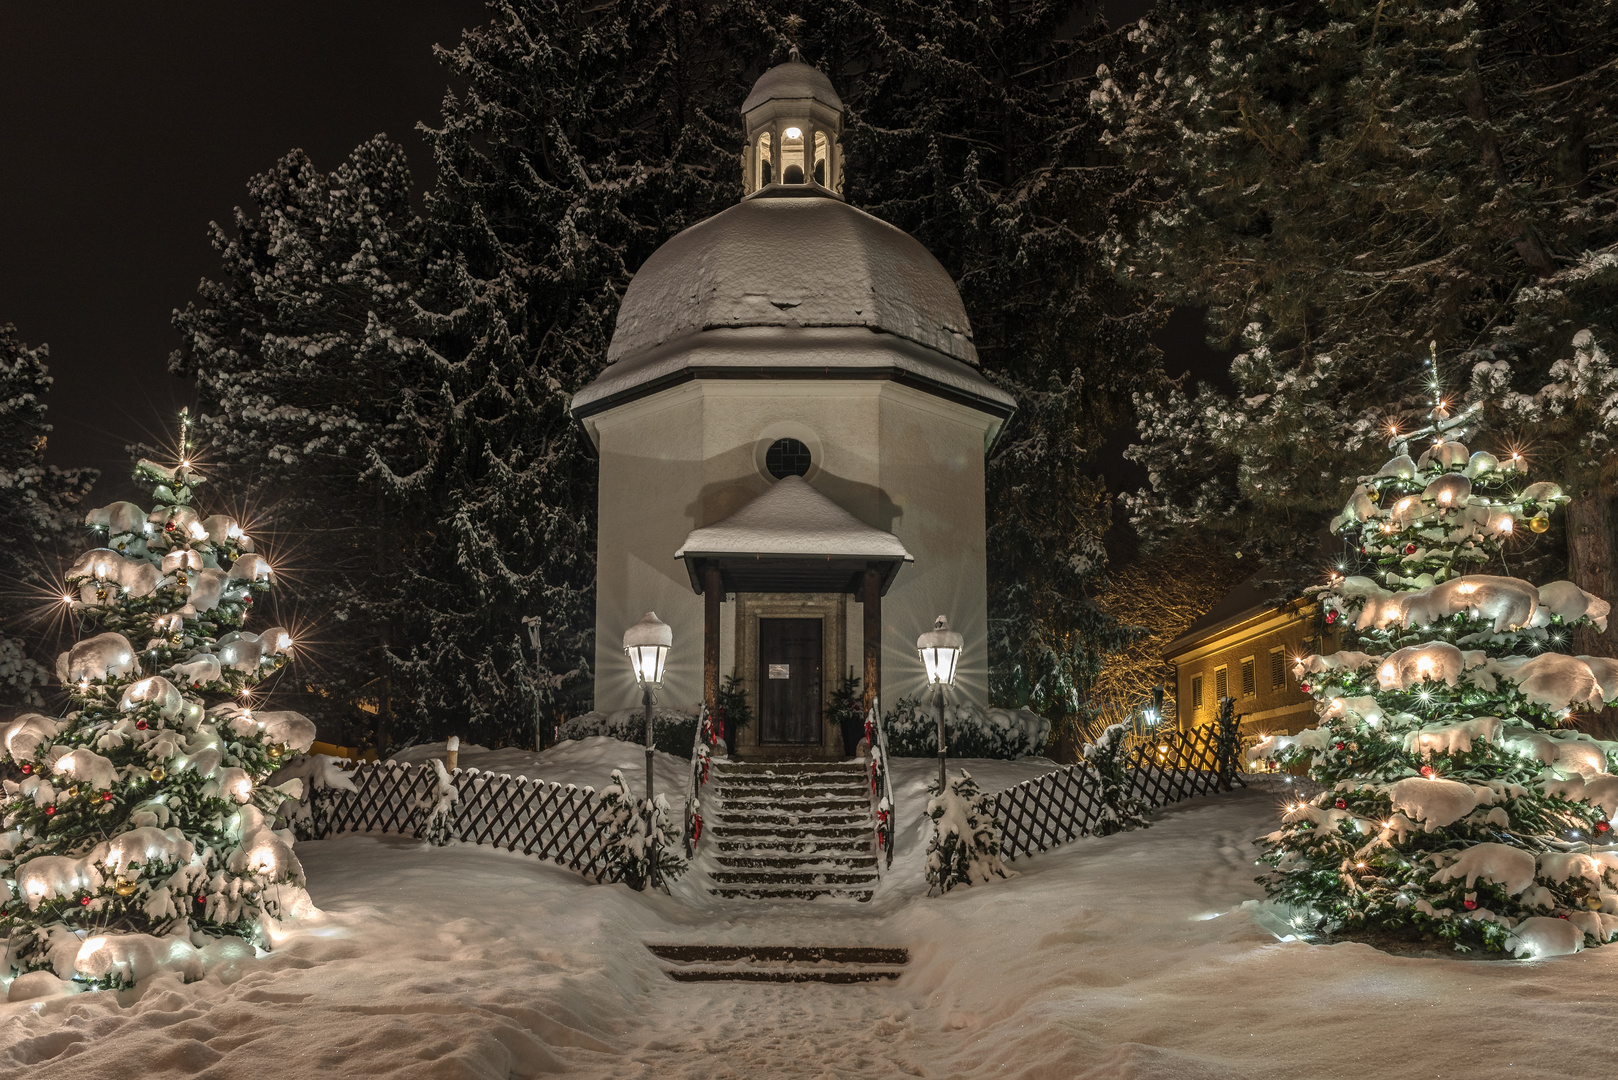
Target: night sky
[{"x": 129, "y": 127}]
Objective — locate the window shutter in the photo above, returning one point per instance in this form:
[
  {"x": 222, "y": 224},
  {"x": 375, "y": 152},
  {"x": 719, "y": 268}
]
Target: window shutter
[
  {"x": 1196, "y": 693},
  {"x": 1221, "y": 684},
  {"x": 1249, "y": 679},
  {"x": 1278, "y": 669}
]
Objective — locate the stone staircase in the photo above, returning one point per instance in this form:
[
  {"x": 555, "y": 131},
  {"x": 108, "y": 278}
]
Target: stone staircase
[{"x": 790, "y": 830}]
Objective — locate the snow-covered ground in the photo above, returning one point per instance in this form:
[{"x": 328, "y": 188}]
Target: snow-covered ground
[{"x": 1141, "y": 955}]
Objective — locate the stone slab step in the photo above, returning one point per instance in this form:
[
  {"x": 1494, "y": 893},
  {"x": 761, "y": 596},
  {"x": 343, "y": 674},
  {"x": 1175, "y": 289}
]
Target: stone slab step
[
  {"x": 793, "y": 877},
  {"x": 794, "y": 892},
  {"x": 806, "y": 860},
  {"x": 786, "y": 768},
  {"x": 783, "y": 975},
  {"x": 806, "y": 831}
]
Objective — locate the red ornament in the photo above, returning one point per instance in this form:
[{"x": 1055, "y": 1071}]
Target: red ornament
[
  {"x": 106, "y": 796},
  {"x": 1602, "y": 826},
  {"x": 1331, "y": 616},
  {"x": 202, "y": 899},
  {"x": 1426, "y": 770},
  {"x": 1341, "y": 805},
  {"x": 1304, "y": 688},
  {"x": 247, "y": 600},
  {"x": 85, "y": 900},
  {"x": 1410, "y": 549},
  {"x": 1561, "y": 914},
  {"x": 169, "y": 527},
  {"x": 1469, "y": 904},
  {"x": 140, "y": 725},
  {"x": 49, "y": 810},
  {"x": 27, "y": 768},
  {"x": 1336, "y": 746}
]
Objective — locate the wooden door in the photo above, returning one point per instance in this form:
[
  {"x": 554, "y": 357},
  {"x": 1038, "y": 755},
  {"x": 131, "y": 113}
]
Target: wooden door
[{"x": 789, "y": 681}]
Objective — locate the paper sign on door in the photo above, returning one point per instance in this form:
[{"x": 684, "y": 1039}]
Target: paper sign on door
[{"x": 780, "y": 671}]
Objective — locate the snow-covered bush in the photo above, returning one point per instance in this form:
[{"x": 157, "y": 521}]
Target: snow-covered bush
[
  {"x": 912, "y": 730},
  {"x": 306, "y": 814},
  {"x": 625, "y": 846},
  {"x": 1122, "y": 808},
  {"x": 965, "y": 845},
  {"x": 438, "y": 807},
  {"x": 673, "y": 730}
]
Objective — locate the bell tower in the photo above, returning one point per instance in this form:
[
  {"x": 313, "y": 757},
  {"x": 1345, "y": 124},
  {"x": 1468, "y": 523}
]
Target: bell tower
[{"x": 794, "y": 121}]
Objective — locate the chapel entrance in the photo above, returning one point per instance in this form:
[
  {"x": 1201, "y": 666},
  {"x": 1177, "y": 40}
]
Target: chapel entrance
[{"x": 789, "y": 675}]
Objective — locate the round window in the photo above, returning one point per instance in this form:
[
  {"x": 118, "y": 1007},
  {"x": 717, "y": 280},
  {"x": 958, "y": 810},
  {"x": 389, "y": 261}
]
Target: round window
[{"x": 787, "y": 457}]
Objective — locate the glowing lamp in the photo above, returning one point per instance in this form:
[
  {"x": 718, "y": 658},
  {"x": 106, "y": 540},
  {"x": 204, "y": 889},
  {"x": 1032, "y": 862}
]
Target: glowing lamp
[
  {"x": 793, "y": 133},
  {"x": 940, "y": 650},
  {"x": 647, "y": 645}
]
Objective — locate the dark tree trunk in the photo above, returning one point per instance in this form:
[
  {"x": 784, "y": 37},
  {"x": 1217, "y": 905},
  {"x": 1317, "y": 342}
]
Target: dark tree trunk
[{"x": 1590, "y": 566}]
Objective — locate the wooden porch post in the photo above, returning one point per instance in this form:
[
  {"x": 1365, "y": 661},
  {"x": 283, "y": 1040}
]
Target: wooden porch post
[
  {"x": 871, "y": 599},
  {"x": 712, "y": 594}
]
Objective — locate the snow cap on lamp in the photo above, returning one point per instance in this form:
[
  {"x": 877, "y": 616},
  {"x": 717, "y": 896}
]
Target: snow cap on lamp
[
  {"x": 940, "y": 650},
  {"x": 647, "y": 645}
]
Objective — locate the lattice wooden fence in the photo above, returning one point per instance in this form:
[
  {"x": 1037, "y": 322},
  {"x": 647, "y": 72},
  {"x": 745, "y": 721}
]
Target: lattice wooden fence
[
  {"x": 555, "y": 822},
  {"x": 1060, "y": 806}
]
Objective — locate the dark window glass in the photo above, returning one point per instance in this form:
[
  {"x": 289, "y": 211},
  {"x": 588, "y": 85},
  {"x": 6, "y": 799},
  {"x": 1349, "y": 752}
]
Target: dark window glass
[{"x": 787, "y": 457}]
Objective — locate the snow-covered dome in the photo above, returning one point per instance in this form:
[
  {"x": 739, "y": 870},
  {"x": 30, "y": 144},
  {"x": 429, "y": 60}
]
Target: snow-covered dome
[
  {"x": 792, "y": 262},
  {"x": 793, "y": 80},
  {"x": 792, "y": 278}
]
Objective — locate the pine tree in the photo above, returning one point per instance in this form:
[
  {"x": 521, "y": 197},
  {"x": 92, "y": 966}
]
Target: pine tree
[
  {"x": 37, "y": 509},
  {"x": 1457, "y": 801},
  {"x": 143, "y": 817},
  {"x": 582, "y": 140},
  {"x": 311, "y": 370},
  {"x": 1341, "y": 182},
  {"x": 970, "y": 127}
]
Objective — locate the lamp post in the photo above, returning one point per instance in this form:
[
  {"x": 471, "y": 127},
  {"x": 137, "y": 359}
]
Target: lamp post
[
  {"x": 647, "y": 646},
  {"x": 940, "y": 651}
]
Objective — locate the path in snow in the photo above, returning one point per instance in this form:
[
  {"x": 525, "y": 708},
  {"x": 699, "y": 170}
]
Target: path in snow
[{"x": 1129, "y": 956}]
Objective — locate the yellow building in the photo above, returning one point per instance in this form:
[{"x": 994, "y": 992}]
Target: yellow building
[{"x": 1244, "y": 648}]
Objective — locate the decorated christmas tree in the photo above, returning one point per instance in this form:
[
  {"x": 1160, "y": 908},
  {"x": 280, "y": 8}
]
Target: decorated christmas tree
[
  {"x": 139, "y": 825},
  {"x": 1459, "y": 802}
]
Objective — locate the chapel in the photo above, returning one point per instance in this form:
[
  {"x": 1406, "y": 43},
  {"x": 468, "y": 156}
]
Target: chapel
[{"x": 792, "y": 430}]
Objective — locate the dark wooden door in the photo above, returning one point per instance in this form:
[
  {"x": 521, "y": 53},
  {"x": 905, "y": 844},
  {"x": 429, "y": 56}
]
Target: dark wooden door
[{"x": 789, "y": 681}]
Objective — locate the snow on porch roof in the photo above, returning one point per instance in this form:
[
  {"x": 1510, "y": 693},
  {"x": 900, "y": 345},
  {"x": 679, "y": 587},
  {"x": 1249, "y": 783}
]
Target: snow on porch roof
[
  {"x": 791, "y": 521},
  {"x": 792, "y": 518}
]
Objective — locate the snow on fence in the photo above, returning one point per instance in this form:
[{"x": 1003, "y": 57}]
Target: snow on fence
[
  {"x": 1037, "y": 815},
  {"x": 555, "y": 822}
]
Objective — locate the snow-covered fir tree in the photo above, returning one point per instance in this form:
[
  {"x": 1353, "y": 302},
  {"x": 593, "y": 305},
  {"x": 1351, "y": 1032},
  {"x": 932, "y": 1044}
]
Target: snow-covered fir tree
[
  {"x": 38, "y": 518},
  {"x": 970, "y": 128},
  {"x": 312, "y": 371},
  {"x": 139, "y": 825},
  {"x": 964, "y": 848},
  {"x": 1458, "y": 800},
  {"x": 1341, "y": 182}
]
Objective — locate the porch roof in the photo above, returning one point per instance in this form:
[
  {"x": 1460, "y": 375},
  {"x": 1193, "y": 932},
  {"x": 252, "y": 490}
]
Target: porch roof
[{"x": 792, "y": 539}]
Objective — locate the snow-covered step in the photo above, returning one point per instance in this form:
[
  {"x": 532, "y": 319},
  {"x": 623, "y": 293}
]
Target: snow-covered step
[
  {"x": 803, "y": 876},
  {"x": 793, "y": 892},
  {"x": 781, "y": 963},
  {"x": 794, "y": 861}
]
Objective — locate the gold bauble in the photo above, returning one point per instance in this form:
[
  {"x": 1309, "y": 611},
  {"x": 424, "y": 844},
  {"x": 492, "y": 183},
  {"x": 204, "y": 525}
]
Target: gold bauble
[
  {"x": 274, "y": 751},
  {"x": 1593, "y": 902},
  {"x": 158, "y": 773},
  {"x": 124, "y": 888},
  {"x": 73, "y": 792},
  {"x": 1539, "y": 523}
]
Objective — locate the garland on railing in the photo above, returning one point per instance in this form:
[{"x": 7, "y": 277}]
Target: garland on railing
[
  {"x": 701, "y": 758},
  {"x": 876, "y": 740}
]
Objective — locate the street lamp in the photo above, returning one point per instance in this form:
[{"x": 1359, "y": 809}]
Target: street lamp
[
  {"x": 940, "y": 650},
  {"x": 647, "y": 646}
]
